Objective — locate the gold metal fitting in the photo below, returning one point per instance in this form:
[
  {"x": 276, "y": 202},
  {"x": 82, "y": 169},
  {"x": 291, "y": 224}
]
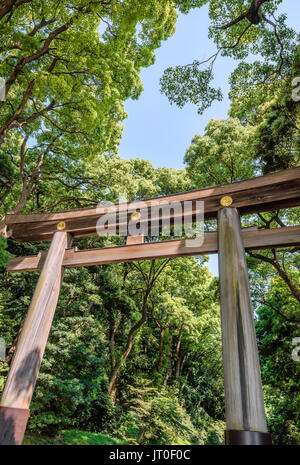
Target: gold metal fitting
[
  {"x": 135, "y": 216},
  {"x": 226, "y": 201},
  {"x": 61, "y": 226}
]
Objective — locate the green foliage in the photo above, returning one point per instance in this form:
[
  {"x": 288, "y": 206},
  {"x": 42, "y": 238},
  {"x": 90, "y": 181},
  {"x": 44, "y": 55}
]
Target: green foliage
[
  {"x": 72, "y": 377},
  {"x": 277, "y": 136},
  {"x": 159, "y": 416},
  {"x": 239, "y": 31},
  {"x": 72, "y": 387},
  {"x": 75, "y": 437},
  {"x": 59, "y": 133},
  {"x": 186, "y": 5},
  {"x": 184, "y": 84},
  {"x": 224, "y": 154},
  {"x": 69, "y": 67},
  {"x": 280, "y": 374},
  {"x": 4, "y": 256},
  {"x": 72, "y": 437}
]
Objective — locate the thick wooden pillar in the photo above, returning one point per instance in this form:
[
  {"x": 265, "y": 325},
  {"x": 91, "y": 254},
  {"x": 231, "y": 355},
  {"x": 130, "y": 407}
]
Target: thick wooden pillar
[
  {"x": 245, "y": 413},
  {"x": 23, "y": 373}
]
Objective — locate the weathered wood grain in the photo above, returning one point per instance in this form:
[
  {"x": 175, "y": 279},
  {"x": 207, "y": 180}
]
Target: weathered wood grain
[
  {"x": 139, "y": 239},
  {"x": 266, "y": 193},
  {"x": 252, "y": 238},
  {"x": 244, "y": 401},
  {"x": 28, "y": 356}
]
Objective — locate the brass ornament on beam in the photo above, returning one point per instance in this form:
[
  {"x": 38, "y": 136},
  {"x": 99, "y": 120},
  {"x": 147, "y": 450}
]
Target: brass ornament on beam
[
  {"x": 61, "y": 226},
  {"x": 226, "y": 201},
  {"x": 135, "y": 216}
]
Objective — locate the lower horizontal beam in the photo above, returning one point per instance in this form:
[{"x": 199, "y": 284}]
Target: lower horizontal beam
[{"x": 252, "y": 239}]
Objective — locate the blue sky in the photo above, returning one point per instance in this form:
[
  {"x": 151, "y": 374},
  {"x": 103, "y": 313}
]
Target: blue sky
[{"x": 161, "y": 132}]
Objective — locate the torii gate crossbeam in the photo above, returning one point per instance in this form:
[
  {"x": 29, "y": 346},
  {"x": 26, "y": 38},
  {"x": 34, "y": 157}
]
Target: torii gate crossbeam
[{"x": 245, "y": 415}]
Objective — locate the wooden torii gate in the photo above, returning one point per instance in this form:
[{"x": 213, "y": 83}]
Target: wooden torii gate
[{"x": 245, "y": 413}]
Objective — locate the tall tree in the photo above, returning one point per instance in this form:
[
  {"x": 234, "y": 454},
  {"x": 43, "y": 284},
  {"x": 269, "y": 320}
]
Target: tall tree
[
  {"x": 68, "y": 68},
  {"x": 239, "y": 29}
]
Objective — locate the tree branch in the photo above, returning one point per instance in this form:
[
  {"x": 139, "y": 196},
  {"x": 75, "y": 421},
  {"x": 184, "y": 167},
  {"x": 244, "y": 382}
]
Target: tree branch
[
  {"x": 292, "y": 286},
  {"x": 265, "y": 302},
  {"x": 252, "y": 14}
]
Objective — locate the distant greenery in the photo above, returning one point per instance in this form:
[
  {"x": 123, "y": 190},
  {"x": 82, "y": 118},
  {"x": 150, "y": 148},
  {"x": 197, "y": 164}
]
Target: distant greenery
[{"x": 73, "y": 437}]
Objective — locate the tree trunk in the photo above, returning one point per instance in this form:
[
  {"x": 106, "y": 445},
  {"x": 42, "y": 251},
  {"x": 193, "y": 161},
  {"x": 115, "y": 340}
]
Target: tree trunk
[
  {"x": 178, "y": 357},
  {"x": 161, "y": 344},
  {"x": 117, "y": 367},
  {"x": 112, "y": 340}
]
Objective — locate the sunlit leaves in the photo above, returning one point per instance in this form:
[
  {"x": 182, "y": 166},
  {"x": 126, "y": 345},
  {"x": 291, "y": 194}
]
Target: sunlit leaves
[
  {"x": 189, "y": 84},
  {"x": 223, "y": 155},
  {"x": 69, "y": 67},
  {"x": 238, "y": 35}
]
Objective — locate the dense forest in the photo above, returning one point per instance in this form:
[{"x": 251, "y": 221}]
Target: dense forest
[{"x": 135, "y": 352}]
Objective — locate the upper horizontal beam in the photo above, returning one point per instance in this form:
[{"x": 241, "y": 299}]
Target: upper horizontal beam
[
  {"x": 265, "y": 193},
  {"x": 252, "y": 239}
]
